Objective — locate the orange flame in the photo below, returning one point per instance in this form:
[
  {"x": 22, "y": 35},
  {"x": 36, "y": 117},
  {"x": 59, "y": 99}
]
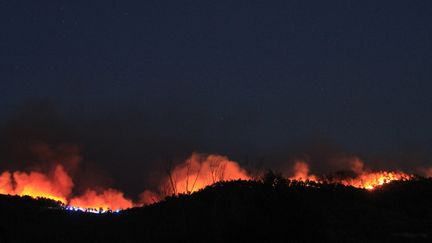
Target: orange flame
[
  {"x": 58, "y": 186},
  {"x": 5, "y": 183},
  {"x": 196, "y": 173},
  {"x": 370, "y": 180},
  {"x": 108, "y": 199},
  {"x": 200, "y": 171},
  {"x": 301, "y": 172},
  {"x": 36, "y": 184},
  {"x": 363, "y": 179}
]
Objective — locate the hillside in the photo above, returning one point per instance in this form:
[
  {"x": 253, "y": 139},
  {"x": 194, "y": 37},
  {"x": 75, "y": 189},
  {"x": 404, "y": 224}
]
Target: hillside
[{"x": 271, "y": 210}]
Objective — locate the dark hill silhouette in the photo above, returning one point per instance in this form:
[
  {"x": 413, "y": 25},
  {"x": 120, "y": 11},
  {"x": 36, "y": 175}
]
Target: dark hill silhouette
[{"x": 271, "y": 210}]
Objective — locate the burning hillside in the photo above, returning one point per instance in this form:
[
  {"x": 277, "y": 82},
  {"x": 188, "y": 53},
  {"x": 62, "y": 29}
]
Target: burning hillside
[
  {"x": 357, "y": 176},
  {"x": 58, "y": 185},
  {"x": 197, "y": 172}
]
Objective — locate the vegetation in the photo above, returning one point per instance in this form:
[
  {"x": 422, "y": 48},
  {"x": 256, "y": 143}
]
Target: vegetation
[{"x": 273, "y": 209}]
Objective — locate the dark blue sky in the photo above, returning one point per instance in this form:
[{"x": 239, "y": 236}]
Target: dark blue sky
[{"x": 233, "y": 77}]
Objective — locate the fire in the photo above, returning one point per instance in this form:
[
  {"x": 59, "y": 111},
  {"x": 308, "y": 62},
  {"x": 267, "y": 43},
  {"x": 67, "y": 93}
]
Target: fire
[
  {"x": 108, "y": 199},
  {"x": 194, "y": 174},
  {"x": 197, "y": 172},
  {"x": 200, "y": 171},
  {"x": 360, "y": 178},
  {"x": 370, "y": 180},
  {"x": 5, "y": 183},
  {"x": 301, "y": 172},
  {"x": 58, "y": 186},
  {"x": 35, "y": 184}
]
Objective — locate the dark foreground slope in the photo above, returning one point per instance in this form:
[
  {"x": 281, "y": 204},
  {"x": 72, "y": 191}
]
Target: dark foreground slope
[{"x": 272, "y": 211}]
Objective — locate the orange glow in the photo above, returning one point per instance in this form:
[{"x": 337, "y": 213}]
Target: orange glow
[
  {"x": 194, "y": 174},
  {"x": 197, "y": 172},
  {"x": 200, "y": 171},
  {"x": 108, "y": 199},
  {"x": 363, "y": 178},
  {"x": 148, "y": 197},
  {"x": 370, "y": 180},
  {"x": 301, "y": 172},
  {"x": 35, "y": 184},
  {"x": 58, "y": 186},
  {"x": 5, "y": 183},
  {"x": 427, "y": 172}
]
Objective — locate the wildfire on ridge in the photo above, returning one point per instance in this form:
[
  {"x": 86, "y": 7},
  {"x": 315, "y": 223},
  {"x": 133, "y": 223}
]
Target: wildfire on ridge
[
  {"x": 58, "y": 186},
  {"x": 35, "y": 184},
  {"x": 194, "y": 174},
  {"x": 200, "y": 171},
  {"x": 360, "y": 178}
]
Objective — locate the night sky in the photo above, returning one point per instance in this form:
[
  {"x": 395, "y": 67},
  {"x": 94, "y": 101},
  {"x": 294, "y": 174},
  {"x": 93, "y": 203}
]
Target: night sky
[{"x": 134, "y": 83}]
